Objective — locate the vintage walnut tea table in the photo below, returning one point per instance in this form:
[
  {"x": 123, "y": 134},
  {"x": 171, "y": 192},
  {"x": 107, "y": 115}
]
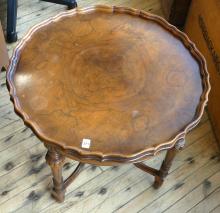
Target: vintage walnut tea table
[{"x": 108, "y": 86}]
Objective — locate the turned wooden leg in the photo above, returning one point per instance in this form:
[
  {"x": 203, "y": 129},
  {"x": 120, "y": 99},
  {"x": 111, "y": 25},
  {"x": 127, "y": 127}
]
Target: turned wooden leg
[
  {"x": 56, "y": 161},
  {"x": 167, "y": 163},
  {"x": 163, "y": 172},
  {"x": 165, "y": 167}
]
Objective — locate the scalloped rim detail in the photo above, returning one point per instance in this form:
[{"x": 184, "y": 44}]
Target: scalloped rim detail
[{"x": 98, "y": 156}]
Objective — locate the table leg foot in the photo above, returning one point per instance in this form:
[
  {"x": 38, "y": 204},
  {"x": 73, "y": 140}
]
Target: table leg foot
[
  {"x": 12, "y": 37},
  {"x": 158, "y": 181},
  {"x": 58, "y": 196},
  {"x": 72, "y": 5},
  {"x": 56, "y": 161}
]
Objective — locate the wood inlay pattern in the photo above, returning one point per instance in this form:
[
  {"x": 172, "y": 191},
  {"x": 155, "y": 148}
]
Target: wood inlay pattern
[{"x": 126, "y": 79}]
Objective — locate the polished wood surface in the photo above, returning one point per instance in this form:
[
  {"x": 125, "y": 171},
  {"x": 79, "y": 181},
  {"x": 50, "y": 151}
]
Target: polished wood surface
[{"x": 122, "y": 78}]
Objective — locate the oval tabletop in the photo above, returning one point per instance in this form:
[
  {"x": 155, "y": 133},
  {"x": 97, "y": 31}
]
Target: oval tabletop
[{"x": 124, "y": 79}]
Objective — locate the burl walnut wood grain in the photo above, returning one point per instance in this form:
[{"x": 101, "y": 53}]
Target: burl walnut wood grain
[{"x": 127, "y": 80}]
